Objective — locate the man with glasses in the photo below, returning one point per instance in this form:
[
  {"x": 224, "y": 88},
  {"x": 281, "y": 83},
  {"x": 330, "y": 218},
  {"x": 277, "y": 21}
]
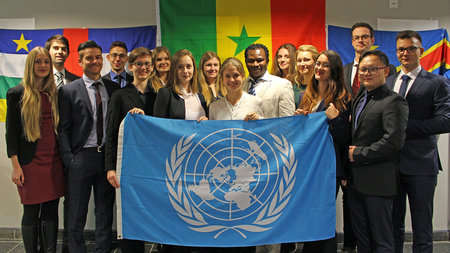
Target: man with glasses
[
  {"x": 363, "y": 37},
  {"x": 118, "y": 57},
  {"x": 378, "y": 121},
  {"x": 428, "y": 97}
]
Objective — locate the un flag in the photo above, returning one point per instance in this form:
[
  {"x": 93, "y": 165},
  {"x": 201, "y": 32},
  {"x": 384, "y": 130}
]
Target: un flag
[{"x": 226, "y": 183}]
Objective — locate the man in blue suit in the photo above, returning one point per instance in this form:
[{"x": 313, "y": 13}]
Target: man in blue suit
[
  {"x": 83, "y": 104},
  {"x": 428, "y": 97}
]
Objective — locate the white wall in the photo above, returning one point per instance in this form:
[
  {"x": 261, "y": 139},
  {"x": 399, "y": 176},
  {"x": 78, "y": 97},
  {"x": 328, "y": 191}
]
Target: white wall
[{"x": 116, "y": 13}]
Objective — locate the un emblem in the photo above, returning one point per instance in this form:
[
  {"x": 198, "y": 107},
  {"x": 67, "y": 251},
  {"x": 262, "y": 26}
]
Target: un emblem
[{"x": 231, "y": 179}]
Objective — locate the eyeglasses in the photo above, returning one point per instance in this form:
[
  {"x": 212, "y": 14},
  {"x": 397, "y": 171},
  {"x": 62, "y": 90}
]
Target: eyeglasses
[
  {"x": 121, "y": 56},
  {"x": 372, "y": 70},
  {"x": 320, "y": 64},
  {"x": 141, "y": 64},
  {"x": 410, "y": 49},
  {"x": 363, "y": 37}
]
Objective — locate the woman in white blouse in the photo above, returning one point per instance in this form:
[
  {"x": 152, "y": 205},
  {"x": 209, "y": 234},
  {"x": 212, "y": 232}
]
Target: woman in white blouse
[{"x": 237, "y": 104}]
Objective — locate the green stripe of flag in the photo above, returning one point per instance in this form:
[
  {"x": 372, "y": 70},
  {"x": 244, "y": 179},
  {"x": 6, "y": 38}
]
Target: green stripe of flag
[
  {"x": 6, "y": 83},
  {"x": 189, "y": 25}
]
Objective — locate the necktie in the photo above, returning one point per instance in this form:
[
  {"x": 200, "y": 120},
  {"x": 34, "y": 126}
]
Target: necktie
[
  {"x": 404, "y": 85},
  {"x": 251, "y": 90},
  {"x": 98, "y": 100},
  {"x": 59, "y": 79},
  {"x": 355, "y": 85},
  {"x": 119, "y": 79},
  {"x": 360, "y": 107}
]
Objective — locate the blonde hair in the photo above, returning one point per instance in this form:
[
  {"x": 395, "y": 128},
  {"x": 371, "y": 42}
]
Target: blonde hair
[
  {"x": 156, "y": 51},
  {"x": 209, "y": 97},
  {"x": 314, "y": 53},
  {"x": 31, "y": 100},
  {"x": 234, "y": 62},
  {"x": 173, "y": 77}
]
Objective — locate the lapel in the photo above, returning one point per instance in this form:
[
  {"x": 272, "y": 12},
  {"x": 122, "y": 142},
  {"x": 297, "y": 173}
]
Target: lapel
[
  {"x": 421, "y": 77},
  {"x": 85, "y": 96},
  {"x": 133, "y": 95},
  {"x": 263, "y": 89},
  {"x": 390, "y": 82}
]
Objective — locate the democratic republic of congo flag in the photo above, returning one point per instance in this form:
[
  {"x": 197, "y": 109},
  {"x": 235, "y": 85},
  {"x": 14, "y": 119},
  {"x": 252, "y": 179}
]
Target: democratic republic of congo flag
[
  {"x": 229, "y": 26},
  {"x": 15, "y": 45},
  {"x": 436, "y": 57}
]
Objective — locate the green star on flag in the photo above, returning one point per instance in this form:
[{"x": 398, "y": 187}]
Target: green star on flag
[{"x": 242, "y": 41}]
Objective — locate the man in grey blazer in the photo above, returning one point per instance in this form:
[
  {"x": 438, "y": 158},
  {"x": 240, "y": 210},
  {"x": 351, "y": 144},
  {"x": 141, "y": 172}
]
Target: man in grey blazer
[
  {"x": 428, "y": 97},
  {"x": 378, "y": 120},
  {"x": 118, "y": 57},
  {"x": 58, "y": 47},
  {"x": 82, "y": 126},
  {"x": 363, "y": 38},
  {"x": 276, "y": 93}
]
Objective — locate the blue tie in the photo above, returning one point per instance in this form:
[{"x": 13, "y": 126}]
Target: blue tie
[
  {"x": 404, "y": 85},
  {"x": 251, "y": 90},
  {"x": 360, "y": 107}
]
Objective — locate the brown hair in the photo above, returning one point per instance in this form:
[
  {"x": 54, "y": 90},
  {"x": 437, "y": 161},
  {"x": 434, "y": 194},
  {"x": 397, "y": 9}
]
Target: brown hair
[
  {"x": 208, "y": 55},
  {"x": 276, "y": 70},
  {"x": 336, "y": 92},
  {"x": 173, "y": 78}
]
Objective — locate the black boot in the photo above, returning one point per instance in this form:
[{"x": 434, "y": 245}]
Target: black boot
[
  {"x": 49, "y": 233},
  {"x": 30, "y": 238}
]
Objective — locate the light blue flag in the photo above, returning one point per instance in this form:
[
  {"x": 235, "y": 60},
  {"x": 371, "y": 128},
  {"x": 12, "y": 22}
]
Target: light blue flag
[{"x": 226, "y": 183}]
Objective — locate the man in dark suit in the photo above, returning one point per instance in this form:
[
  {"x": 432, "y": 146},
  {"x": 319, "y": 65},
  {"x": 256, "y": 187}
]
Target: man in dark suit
[
  {"x": 58, "y": 47},
  {"x": 363, "y": 38},
  {"x": 82, "y": 108},
  {"x": 428, "y": 97},
  {"x": 379, "y": 118},
  {"x": 118, "y": 57}
]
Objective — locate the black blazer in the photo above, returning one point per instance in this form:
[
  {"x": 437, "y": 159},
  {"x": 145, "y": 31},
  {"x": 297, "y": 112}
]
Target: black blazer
[
  {"x": 129, "y": 78},
  {"x": 429, "y": 114},
  {"x": 120, "y": 103},
  {"x": 378, "y": 137},
  {"x": 339, "y": 129},
  {"x": 170, "y": 105},
  {"x": 75, "y": 117},
  {"x": 16, "y": 144},
  {"x": 348, "y": 75}
]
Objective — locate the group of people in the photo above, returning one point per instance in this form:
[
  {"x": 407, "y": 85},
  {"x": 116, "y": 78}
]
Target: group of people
[{"x": 62, "y": 130}]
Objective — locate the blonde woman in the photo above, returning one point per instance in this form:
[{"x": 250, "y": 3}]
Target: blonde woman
[
  {"x": 31, "y": 123},
  {"x": 161, "y": 60},
  {"x": 306, "y": 57},
  {"x": 208, "y": 77}
]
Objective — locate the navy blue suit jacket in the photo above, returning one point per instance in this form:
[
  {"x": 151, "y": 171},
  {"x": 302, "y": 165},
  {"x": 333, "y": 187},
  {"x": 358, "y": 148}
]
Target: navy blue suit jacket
[
  {"x": 429, "y": 114},
  {"x": 75, "y": 117}
]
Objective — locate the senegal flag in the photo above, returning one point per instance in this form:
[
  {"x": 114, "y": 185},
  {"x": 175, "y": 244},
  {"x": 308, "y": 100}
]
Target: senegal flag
[
  {"x": 15, "y": 45},
  {"x": 229, "y": 26}
]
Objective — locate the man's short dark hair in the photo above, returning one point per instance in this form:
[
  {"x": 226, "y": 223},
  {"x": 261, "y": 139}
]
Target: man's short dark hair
[
  {"x": 408, "y": 34},
  {"x": 363, "y": 24},
  {"x": 254, "y": 47},
  {"x": 382, "y": 56},
  {"x": 118, "y": 44},
  {"x": 87, "y": 44},
  {"x": 59, "y": 38}
]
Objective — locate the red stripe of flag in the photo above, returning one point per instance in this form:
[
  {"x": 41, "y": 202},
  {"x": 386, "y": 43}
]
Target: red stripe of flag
[
  {"x": 75, "y": 37},
  {"x": 433, "y": 58},
  {"x": 298, "y": 22}
]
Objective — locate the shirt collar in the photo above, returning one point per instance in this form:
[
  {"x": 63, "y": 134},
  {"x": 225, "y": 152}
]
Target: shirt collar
[
  {"x": 88, "y": 81},
  {"x": 413, "y": 74},
  {"x": 114, "y": 74},
  {"x": 63, "y": 71}
]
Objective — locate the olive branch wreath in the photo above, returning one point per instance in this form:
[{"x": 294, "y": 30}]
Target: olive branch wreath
[{"x": 270, "y": 213}]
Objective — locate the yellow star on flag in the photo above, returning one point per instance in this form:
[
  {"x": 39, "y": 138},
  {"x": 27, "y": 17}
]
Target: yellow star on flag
[
  {"x": 373, "y": 47},
  {"x": 22, "y": 43}
]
